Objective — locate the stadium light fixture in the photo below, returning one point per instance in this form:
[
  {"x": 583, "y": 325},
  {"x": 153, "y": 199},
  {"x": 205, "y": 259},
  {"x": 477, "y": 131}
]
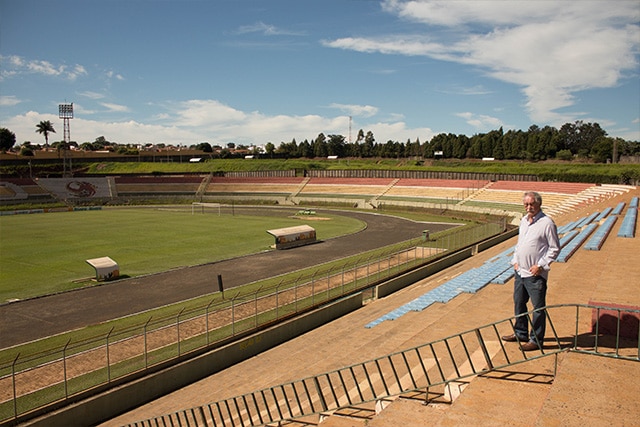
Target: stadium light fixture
[{"x": 65, "y": 111}]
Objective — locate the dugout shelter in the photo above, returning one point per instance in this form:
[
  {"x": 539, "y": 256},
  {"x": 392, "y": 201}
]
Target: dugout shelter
[
  {"x": 291, "y": 237},
  {"x": 106, "y": 268}
]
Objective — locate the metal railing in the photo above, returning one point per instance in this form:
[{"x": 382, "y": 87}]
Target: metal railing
[
  {"x": 29, "y": 381},
  {"x": 419, "y": 369}
]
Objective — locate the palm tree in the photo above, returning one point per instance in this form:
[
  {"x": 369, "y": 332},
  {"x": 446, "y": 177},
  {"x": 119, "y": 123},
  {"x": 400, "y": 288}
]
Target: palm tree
[{"x": 44, "y": 128}]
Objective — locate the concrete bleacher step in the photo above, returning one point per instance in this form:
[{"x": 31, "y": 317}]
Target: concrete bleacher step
[
  {"x": 409, "y": 410},
  {"x": 473, "y": 402},
  {"x": 529, "y": 394},
  {"x": 352, "y": 416},
  {"x": 424, "y": 405},
  {"x": 587, "y": 196},
  {"x": 477, "y": 397}
]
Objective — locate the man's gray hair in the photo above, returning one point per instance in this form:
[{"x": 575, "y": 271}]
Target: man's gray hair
[{"x": 536, "y": 196}]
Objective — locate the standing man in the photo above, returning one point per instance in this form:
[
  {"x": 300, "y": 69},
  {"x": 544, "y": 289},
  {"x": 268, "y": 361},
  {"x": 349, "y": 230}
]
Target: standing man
[{"x": 538, "y": 246}]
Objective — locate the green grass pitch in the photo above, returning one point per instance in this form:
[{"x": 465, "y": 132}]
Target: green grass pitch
[{"x": 47, "y": 253}]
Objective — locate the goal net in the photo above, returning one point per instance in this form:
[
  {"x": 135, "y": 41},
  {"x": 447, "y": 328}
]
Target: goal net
[{"x": 205, "y": 207}]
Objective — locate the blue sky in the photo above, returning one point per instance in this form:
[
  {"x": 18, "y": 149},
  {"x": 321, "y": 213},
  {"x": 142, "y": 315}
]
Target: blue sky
[{"x": 258, "y": 71}]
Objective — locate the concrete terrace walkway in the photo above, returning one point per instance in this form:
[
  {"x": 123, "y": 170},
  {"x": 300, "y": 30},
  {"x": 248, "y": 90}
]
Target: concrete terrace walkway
[{"x": 588, "y": 390}]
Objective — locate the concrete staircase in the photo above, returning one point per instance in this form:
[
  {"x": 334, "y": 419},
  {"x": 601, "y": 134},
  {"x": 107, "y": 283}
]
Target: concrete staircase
[
  {"x": 475, "y": 194},
  {"x": 292, "y": 197},
  {"x": 374, "y": 202},
  {"x": 528, "y": 395},
  {"x": 202, "y": 189}
]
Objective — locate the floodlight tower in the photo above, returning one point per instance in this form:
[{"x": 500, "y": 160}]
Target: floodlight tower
[{"x": 65, "y": 112}]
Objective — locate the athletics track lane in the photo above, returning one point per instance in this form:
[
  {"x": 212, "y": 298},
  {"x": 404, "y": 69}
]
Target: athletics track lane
[{"x": 32, "y": 319}]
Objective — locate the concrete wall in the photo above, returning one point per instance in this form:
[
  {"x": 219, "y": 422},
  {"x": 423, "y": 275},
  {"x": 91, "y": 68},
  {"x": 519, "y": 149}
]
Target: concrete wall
[
  {"x": 496, "y": 240},
  {"x": 377, "y": 173}
]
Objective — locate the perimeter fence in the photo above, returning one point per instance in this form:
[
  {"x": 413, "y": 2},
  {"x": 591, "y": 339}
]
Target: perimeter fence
[{"x": 40, "y": 376}]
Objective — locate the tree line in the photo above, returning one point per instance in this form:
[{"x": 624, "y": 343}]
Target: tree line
[
  {"x": 579, "y": 139},
  {"x": 572, "y": 140}
]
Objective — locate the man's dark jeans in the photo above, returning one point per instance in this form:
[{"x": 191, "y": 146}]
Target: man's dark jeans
[{"x": 534, "y": 288}]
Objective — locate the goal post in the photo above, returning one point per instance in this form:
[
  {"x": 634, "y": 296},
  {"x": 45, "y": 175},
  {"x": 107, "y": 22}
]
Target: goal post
[{"x": 202, "y": 207}]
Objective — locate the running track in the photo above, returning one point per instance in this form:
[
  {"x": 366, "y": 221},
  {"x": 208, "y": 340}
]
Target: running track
[{"x": 32, "y": 319}]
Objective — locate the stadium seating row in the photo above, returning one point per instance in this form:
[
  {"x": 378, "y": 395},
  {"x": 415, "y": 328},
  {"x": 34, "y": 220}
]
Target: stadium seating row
[
  {"x": 470, "y": 281},
  {"x": 587, "y": 220},
  {"x": 596, "y": 241},
  {"x": 603, "y": 214},
  {"x": 618, "y": 209},
  {"x": 628, "y": 226},
  {"x": 572, "y": 246},
  {"x": 498, "y": 270}
]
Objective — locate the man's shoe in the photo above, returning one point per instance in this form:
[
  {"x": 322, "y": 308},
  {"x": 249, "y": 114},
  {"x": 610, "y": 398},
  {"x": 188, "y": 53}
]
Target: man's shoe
[
  {"x": 510, "y": 338},
  {"x": 529, "y": 346}
]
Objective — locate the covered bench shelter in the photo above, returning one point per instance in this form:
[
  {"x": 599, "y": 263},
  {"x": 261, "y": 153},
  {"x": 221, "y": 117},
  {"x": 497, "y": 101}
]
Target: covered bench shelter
[
  {"x": 293, "y": 236},
  {"x": 106, "y": 268}
]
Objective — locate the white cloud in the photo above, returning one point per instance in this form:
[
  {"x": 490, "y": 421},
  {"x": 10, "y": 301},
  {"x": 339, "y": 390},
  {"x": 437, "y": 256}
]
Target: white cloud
[
  {"x": 356, "y": 110},
  {"x": 80, "y": 110},
  {"x": 480, "y": 121},
  {"x": 395, "y": 117},
  {"x": 551, "y": 49},
  {"x": 466, "y": 91},
  {"x": 91, "y": 95},
  {"x": 9, "y": 101},
  {"x": 194, "y": 121},
  {"x": 76, "y": 71},
  {"x": 267, "y": 30},
  {"x": 385, "y": 71},
  {"x": 220, "y": 123},
  {"x": 410, "y": 45},
  {"x": 15, "y": 65},
  {"x": 44, "y": 67},
  {"x": 83, "y": 130},
  {"x": 116, "y": 108},
  {"x": 450, "y": 13},
  {"x": 114, "y": 75},
  {"x": 207, "y": 113}
]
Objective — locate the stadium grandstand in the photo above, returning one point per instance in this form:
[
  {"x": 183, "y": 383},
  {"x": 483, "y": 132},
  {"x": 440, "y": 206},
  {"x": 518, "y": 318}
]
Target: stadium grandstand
[
  {"x": 475, "y": 195},
  {"x": 429, "y": 353}
]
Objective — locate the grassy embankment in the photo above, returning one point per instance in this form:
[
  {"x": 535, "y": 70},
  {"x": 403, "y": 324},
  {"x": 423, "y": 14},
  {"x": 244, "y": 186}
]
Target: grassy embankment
[{"x": 558, "y": 171}]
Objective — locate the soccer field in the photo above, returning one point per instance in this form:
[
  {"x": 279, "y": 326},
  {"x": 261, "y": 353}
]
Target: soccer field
[{"x": 47, "y": 253}]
